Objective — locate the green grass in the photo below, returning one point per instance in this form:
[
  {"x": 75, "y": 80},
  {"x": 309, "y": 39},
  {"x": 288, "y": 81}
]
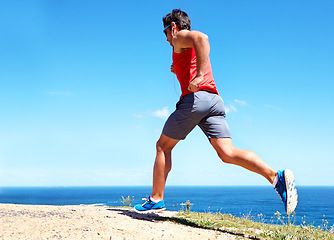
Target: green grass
[
  {"x": 247, "y": 226},
  {"x": 244, "y": 227}
]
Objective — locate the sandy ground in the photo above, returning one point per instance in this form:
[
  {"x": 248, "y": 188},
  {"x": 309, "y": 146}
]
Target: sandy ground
[{"x": 93, "y": 222}]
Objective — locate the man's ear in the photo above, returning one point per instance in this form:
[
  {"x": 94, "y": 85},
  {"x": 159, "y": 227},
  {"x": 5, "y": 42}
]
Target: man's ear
[{"x": 173, "y": 28}]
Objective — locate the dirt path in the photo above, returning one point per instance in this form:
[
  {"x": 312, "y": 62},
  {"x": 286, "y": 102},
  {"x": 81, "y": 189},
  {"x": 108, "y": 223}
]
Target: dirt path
[{"x": 93, "y": 222}]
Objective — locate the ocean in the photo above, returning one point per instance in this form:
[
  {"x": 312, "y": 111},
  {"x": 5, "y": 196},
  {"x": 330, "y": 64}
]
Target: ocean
[{"x": 315, "y": 206}]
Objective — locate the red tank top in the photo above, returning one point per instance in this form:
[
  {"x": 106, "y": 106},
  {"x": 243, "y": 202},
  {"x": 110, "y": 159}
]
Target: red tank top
[{"x": 185, "y": 65}]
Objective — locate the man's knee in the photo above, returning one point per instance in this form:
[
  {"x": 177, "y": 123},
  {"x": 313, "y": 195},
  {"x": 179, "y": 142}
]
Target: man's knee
[
  {"x": 225, "y": 149},
  {"x": 163, "y": 147},
  {"x": 165, "y": 144},
  {"x": 233, "y": 155},
  {"x": 226, "y": 154}
]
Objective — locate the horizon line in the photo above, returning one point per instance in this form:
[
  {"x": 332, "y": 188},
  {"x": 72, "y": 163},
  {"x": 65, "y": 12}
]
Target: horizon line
[{"x": 65, "y": 186}]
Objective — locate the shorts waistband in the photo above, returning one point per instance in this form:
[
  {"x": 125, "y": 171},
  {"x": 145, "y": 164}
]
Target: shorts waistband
[{"x": 196, "y": 92}]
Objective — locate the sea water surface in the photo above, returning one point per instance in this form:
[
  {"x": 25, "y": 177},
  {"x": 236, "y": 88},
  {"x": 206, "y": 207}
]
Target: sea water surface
[{"x": 315, "y": 206}]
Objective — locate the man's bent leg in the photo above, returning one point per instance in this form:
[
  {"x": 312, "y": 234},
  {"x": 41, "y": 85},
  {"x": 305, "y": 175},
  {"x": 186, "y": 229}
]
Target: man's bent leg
[
  {"x": 162, "y": 165},
  {"x": 244, "y": 158}
]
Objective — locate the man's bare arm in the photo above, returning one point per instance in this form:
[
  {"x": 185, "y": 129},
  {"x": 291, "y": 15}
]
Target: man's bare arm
[{"x": 200, "y": 42}]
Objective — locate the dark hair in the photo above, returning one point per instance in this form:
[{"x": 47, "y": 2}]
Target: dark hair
[{"x": 180, "y": 18}]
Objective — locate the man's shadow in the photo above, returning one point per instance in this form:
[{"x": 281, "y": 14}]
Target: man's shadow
[{"x": 153, "y": 217}]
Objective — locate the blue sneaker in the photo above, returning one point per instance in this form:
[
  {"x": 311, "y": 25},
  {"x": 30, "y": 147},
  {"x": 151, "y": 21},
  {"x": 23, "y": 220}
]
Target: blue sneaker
[
  {"x": 150, "y": 207},
  {"x": 286, "y": 189}
]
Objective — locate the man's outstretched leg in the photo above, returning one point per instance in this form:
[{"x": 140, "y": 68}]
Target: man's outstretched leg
[
  {"x": 283, "y": 181},
  {"x": 244, "y": 158},
  {"x": 162, "y": 166}
]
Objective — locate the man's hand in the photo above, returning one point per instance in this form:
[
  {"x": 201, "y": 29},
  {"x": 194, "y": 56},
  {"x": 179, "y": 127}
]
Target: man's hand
[{"x": 194, "y": 84}]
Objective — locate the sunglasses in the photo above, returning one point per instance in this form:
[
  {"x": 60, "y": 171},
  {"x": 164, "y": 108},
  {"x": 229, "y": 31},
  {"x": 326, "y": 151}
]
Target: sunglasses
[{"x": 165, "y": 32}]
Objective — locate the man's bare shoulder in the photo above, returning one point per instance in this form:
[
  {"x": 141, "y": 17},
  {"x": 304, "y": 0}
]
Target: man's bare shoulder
[
  {"x": 184, "y": 39},
  {"x": 187, "y": 35}
]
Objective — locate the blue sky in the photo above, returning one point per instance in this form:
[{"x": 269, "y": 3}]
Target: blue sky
[{"x": 85, "y": 89}]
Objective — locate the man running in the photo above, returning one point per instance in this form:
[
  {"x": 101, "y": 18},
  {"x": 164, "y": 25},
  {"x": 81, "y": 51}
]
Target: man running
[{"x": 200, "y": 105}]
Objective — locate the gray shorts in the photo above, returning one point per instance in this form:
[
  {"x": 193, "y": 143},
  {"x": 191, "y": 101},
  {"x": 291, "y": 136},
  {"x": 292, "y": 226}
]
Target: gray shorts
[{"x": 201, "y": 108}]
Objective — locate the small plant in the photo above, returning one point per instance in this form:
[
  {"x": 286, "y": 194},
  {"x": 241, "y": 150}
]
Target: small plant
[
  {"x": 261, "y": 218},
  {"x": 324, "y": 223},
  {"x": 127, "y": 201},
  {"x": 280, "y": 218},
  {"x": 188, "y": 205}
]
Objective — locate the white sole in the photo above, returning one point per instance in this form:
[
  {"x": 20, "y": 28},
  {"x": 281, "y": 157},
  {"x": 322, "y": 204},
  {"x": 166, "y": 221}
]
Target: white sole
[
  {"x": 150, "y": 211},
  {"x": 291, "y": 192}
]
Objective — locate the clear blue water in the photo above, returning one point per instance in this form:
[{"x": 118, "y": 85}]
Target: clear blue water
[{"x": 315, "y": 203}]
